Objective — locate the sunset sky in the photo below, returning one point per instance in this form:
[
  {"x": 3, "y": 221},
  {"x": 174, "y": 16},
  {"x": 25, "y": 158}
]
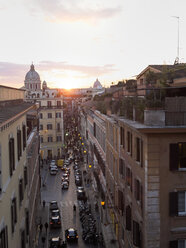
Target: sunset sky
[{"x": 73, "y": 42}]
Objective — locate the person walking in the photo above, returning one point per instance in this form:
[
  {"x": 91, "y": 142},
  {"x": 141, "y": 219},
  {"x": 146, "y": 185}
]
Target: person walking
[
  {"x": 44, "y": 203},
  {"x": 41, "y": 227},
  {"x": 46, "y": 226}
]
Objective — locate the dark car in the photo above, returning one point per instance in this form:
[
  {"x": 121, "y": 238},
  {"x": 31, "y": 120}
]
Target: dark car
[
  {"x": 53, "y": 205},
  {"x": 71, "y": 234},
  {"x": 78, "y": 181},
  {"x": 55, "y": 242},
  {"x": 55, "y": 222},
  {"x": 55, "y": 213},
  {"x": 81, "y": 194}
]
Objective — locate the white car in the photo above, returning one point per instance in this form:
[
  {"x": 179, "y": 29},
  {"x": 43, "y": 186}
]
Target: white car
[
  {"x": 53, "y": 171},
  {"x": 53, "y": 166}
]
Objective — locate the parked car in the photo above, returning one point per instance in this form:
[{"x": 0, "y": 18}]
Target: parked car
[
  {"x": 81, "y": 194},
  {"x": 53, "y": 205},
  {"x": 65, "y": 185},
  {"x": 78, "y": 181},
  {"x": 55, "y": 242},
  {"x": 53, "y": 171},
  {"x": 55, "y": 222},
  {"x": 71, "y": 234},
  {"x": 53, "y": 166}
]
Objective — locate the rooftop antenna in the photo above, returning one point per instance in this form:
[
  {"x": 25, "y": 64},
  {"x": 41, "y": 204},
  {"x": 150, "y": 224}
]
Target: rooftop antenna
[{"x": 178, "y": 47}]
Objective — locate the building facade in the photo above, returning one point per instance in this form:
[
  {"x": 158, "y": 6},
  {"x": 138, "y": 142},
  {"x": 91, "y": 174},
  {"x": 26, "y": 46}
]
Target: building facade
[
  {"x": 14, "y": 208},
  {"x": 51, "y": 128}
]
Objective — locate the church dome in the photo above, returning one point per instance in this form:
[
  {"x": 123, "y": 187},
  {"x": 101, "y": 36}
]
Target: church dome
[
  {"x": 97, "y": 84},
  {"x": 32, "y": 75},
  {"x": 32, "y": 80}
]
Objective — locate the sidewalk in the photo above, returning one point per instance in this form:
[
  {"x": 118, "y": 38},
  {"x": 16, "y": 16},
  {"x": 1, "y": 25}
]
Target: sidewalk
[
  {"x": 43, "y": 214},
  {"x": 107, "y": 231}
]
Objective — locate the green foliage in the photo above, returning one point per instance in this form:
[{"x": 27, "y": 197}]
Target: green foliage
[{"x": 101, "y": 106}]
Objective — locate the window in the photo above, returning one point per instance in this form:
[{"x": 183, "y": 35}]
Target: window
[
  {"x": 137, "y": 188},
  {"x": 181, "y": 243},
  {"x": 139, "y": 151},
  {"x": 41, "y": 127},
  {"x": 94, "y": 129},
  {"x": 18, "y": 144},
  {"x": 4, "y": 237},
  {"x": 141, "y": 81},
  {"x": 41, "y": 139},
  {"x": 50, "y": 139},
  {"x": 177, "y": 203},
  {"x": 13, "y": 213},
  {"x": 20, "y": 190},
  {"x": 177, "y": 156},
  {"x": 129, "y": 178},
  {"x": 49, "y": 104},
  {"x": 49, "y": 115},
  {"x": 128, "y": 218},
  {"x": 11, "y": 156},
  {"x": 182, "y": 203},
  {"x": 25, "y": 177},
  {"x": 49, "y": 126},
  {"x": 24, "y": 136},
  {"x": 122, "y": 167},
  {"x": 58, "y": 115},
  {"x": 23, "y": 243},
  {"x": 59, "y": 138},
  {"x": 121, "y": 201},
  {"x": 122, "y": 137},
  {"x": 41, "y": 116},
  {"x": 27, "y": 222},
  {"x": 129, "y": 142},
  {"x": 58, "y": 103},
  {"x": 58, "y": 126},
  {"x": 136, "y": 234}
]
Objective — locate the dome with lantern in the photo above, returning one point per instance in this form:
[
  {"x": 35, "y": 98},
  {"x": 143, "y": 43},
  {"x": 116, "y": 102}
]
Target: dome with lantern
[
  {"x": 97, "y": 84},
  {"x": 32, "y": 80}
]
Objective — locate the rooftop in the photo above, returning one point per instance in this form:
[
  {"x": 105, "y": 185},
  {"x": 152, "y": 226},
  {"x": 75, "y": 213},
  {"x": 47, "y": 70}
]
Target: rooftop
[{"x": 9, "y": 111}]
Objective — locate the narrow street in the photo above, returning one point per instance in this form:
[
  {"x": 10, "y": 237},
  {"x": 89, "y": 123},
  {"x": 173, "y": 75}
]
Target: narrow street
[{"x": 66, "y": 199}]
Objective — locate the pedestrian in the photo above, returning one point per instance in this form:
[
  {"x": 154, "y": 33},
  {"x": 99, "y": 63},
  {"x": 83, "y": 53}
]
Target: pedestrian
[
  {"x": 43, "y": 240},
  {"x": 43, "y": 203},
  {"x": 41, "y": 227},
  {"x": 74, "y": 208},
  {"x": 46, "y": 226}
]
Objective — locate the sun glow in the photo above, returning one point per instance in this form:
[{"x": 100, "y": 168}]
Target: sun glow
[{"x": 68, "y": 81}]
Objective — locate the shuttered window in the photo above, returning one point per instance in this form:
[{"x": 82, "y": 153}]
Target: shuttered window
[
  {"x": 136, "y": 234},
  {"x": 49, "y": 115},
  {"x": 177, "y": 156},
  {"x": 128, "y": 218},
  {"x": 24, "y": 136},
  {"x": 120, "y": 200},
  {"x": 19, "y": 152},
  {"x": 173, "y": 203},
  {"x": 122, "y": 167},
  {"x": 4, "y": 237},
  {"x": 13, "y": 213},
  {"x": 122, "y": 137},
  {"x": 129, "y": 178},
  {"x": 11, "y": 156}
]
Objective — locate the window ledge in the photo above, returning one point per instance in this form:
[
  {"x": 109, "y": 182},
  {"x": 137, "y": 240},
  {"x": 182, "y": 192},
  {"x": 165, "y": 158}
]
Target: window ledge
[{"x": 179, "y": 229}]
